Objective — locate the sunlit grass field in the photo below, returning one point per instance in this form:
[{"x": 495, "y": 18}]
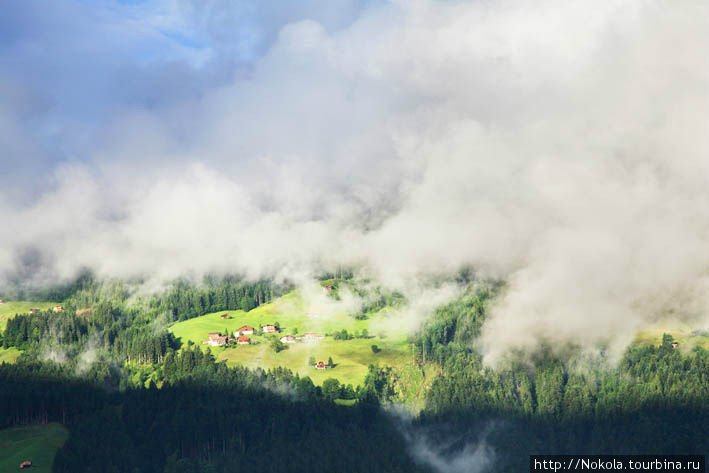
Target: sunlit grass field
[
  {"x": 351, "y": 357},
  {"x": 9, "y": 309},
  {"x": 36, "y": 443},
  {"x": 687, "y": 336},
  {"x": 9, "y": 355}
]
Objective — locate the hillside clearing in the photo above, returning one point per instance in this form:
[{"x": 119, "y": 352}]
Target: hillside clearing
[
  {"x": 36, "y": 443},
  {"x": 687, "y": 336},
  {"x": 351, "y": 357},
  {"x": 9, "y": 309},
  {"x": 9, "y": 355}
]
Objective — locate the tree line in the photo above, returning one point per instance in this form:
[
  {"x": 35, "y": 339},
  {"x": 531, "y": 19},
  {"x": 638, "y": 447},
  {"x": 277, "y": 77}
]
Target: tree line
[
  {"x": 656, "y": 399},
  {"x": 204, "y": 417}
]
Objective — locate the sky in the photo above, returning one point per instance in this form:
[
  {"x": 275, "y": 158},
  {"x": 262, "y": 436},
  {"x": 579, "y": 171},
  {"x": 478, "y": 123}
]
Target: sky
[
  {"x": 70, "y": 67},
  {"x": 558, "y": 145}
]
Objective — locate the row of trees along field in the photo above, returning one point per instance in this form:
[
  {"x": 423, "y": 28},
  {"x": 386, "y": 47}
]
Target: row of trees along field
[
  {"x": 204, "y": 418},
  {"x": 134, "y": 329},
  {"x": 655, "y": 399}
]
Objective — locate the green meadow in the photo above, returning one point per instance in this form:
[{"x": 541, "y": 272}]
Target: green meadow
[
  {"x": 9, "y": 355},
  {"x": 36, "y": 443},
  {"x": 9, "y": 309},
  {"x": 350, "y": 357},
  {"x": 687, "y": 336}
]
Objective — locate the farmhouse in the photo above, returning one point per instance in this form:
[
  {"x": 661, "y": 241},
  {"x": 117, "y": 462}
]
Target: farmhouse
[
  {"x": 243, "y": 340},
  {"x": 288, "y": 339},
  {"x": 269, "y": 329},
  {"x": 217, "y": 341},
  {"x": 57, "y": 308},
  {"x": 245, "y": 330},
  {"x": 224, "y": 316},
  {"x": 321, "y": 365}
]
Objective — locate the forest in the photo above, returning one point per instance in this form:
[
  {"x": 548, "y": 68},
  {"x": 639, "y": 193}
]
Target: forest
[
  {"x": 106, "y": 316},
  {"x": 656, "y": 399},
  {"x": 197, "y": 414}
]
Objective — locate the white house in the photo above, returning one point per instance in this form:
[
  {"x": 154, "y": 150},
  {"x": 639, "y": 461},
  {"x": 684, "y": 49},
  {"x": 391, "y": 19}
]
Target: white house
[
  {"x": 245, "y": 330},
  {"x": 269, "y": 329},
  {"x": 217, "y": 341}
]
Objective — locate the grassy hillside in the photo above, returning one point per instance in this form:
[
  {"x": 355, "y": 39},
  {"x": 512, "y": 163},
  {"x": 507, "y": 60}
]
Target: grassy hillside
[
  {"x": 351, "y": 357},
  {"x": 9, "y": 309},
  {"x": 687, "y": 336},
  {"x": 36, "y": 443},
  {"x": 9, "y": 355}
]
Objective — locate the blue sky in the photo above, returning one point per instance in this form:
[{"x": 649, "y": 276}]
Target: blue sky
[{"x": 66, "y": 66}]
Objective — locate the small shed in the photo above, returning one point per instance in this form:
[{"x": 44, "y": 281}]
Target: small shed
[{"x": 25, "y": 464}]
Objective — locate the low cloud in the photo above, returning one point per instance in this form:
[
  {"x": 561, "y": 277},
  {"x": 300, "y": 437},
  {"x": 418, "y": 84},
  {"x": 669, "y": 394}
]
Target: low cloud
[
  {"x": 561, "y": 147},
  {"x": 445, "y": 456}
]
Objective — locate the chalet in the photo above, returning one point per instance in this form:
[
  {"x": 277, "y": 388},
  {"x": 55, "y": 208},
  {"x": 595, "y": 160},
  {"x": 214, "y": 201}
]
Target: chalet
[
  {"x": 288, "y": 339},
  {"x": 212, "y": 335},
  {"x": 674, "y": 344},
  {"x": 25, "y": 464},
  {"x": 307, "y": 336},
  {"x": 34, "y": 310},
  {"x": 243, "y": 340},
  {"x": 245, "y": 330},
  {"x": 321, "y": 365},
  {"x": 57, "y": 308},
  {"x": 224, "y": 316},
  {"x": 269, "y": 329},
  {"x": 217, "y": 341}
]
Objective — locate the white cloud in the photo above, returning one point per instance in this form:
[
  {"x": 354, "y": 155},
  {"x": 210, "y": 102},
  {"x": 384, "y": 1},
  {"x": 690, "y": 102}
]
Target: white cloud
[{"x": 561, "y": 146}]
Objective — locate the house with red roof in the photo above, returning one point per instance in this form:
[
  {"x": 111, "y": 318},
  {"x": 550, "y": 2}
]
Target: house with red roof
[{"x": 245, "y": 330}]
